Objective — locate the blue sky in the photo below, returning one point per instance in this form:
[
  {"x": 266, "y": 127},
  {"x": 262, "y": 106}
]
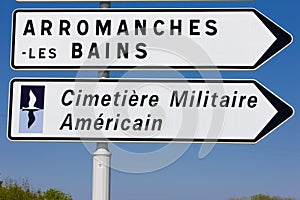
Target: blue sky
[{"x": 271, "y": 166}]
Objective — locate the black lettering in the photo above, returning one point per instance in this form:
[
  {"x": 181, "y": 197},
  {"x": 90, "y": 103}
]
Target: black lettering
[
  {"x": 104, "y": 28},
  {"x": 116, "y": 95},
  {"x": 85, "y": 27},
  {"x": 89, "y": 98},
  {"x": 29, "y": 28},
  {"x": 252, "y": 101},
  {"x": 155, "y": 121},
  {"x": 242, "y": 98},
  {"x": 42, "y": 53},
  {"x": 123, "y": 28},
  {"x": 85, "y": 124},
  {"x": 194, "y": 26},
  {"x": 46, "y": 26},
  {"x": 94, "y": 51},
  {"x": 64, "y": 26},
  {"x": 155, "y": 27},
  {"x": 209, "y": 25},
  {"x": 64, "y": 97},
  {"x": 123, "y": 50},
  {"x": 225, "y": 101},
  {"x": 123, "y": 127},
  {"x": 105, "y": 101},
  {"x": 177, "y": 102},
  {"x": 139, "y": 48},
  {"x": 76, "y": 50},
  {"x": 213, "y": 101},
  {"x": 67, "y": 122},
  {"x": 52, "y": 52},
  {"x": 31, "y": 56},
  {"x": 176, "y": 27},
  {"x": 140, "y": 26},
  {"x": 153, "y": 101}
]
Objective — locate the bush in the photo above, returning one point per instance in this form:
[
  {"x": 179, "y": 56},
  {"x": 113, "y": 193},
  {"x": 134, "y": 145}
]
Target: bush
[
  {"x": 12, "y": 190},
  {"x": 261, "y": 197}
]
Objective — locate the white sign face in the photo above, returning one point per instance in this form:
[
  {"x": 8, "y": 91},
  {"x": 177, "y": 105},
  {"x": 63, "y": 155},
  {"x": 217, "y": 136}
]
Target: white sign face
[
  {"x": 186, "y": 39},
  {"x": 143, "y": 110}
]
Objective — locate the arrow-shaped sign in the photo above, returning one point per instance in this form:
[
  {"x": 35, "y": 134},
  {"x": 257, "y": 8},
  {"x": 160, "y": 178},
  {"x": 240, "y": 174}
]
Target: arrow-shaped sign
[
  {"x": 122, "y": 39},
  {"x": 143, "y": 110}
]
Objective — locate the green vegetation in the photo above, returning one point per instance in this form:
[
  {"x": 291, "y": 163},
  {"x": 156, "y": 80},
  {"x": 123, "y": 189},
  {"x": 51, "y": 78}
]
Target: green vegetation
[
  {"x": 262, "y": 197},
  {"x": 12, "y": 190}
]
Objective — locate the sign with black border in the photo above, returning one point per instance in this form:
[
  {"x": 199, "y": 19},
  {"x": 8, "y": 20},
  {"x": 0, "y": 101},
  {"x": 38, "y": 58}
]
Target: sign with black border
[
  {"x": 46, "y": 94},
  {"x": 196, "y": 39}
]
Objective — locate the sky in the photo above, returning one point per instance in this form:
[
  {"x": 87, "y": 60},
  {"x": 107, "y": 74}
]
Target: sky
[{"x": 229, "y": 170}]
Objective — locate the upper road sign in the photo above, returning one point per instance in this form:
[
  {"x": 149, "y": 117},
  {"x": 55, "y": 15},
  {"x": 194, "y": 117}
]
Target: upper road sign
[
  {"x": 143, "y": 110},
  {"x": 122, "y": 39}
]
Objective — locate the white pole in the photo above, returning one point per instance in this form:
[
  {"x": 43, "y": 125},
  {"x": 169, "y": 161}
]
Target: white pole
[
  {"x": 101, "y": 165},
  {"x": 101, "y": 157},
  {"x": 101, "y": 172}
]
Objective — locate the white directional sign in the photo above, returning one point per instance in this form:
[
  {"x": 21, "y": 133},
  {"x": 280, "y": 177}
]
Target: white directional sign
[
  {"x": 122, "y": 39},
  {"x": 143, "y": 110}
]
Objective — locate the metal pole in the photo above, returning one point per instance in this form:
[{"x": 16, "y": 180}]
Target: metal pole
[
  {"x": 101, "y": 165},
  {"x": 101, "y": 172},
  {"x": 105, "y": 4},
  {"x": 101, "y": 157}
]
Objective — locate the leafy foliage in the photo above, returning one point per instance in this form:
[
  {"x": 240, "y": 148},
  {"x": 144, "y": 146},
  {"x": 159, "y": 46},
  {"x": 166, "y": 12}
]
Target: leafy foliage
[
  {"x": 12, "y": 190},
  {"x": 262, "y": 197}
]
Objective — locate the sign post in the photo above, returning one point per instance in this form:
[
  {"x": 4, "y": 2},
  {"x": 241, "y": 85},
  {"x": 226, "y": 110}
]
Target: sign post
[
  {"x": 101, "y": 162},
  {"x": 101, "y": 157},
  {"x": 101, "y": 172}
]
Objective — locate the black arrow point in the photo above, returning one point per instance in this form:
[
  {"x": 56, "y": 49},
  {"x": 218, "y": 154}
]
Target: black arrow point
[
  {"x": 284, "y": 112},
  {"x": 283, "y": 38}
]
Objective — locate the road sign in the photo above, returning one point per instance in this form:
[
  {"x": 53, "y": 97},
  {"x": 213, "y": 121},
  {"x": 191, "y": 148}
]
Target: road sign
[
  {"x": 122, "y": 39},
  {"x": 143, "y": 110}
]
